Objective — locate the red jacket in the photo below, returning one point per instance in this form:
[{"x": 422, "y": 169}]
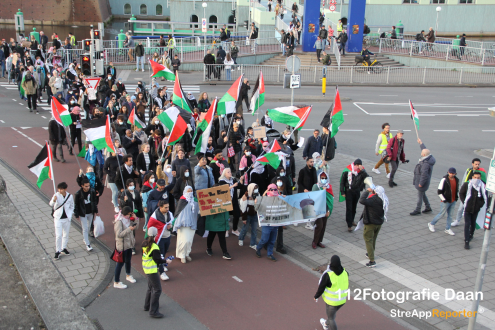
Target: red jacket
[{"x": 393, "y": 147}]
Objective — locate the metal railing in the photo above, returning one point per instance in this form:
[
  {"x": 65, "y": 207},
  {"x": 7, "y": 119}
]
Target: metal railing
[
  {"x": 470, "y": 43},
  {"x": 280, "y": 24},
  {"x": 439, "y": 51},
  {"x": 358, "y": 74},
  {"x": 154, "y": 27}
]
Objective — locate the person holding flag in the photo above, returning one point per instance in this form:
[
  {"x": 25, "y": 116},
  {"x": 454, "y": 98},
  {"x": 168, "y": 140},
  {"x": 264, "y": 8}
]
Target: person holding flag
[
  {"x": 321, "y": 223},
  {"x": 62, "y": 204},
  {"x": 422, "y": 178},
  {"x": 161, "y": 220},
  {"x": 473, "y": 196},
  {"x": 351, "y": 185}
]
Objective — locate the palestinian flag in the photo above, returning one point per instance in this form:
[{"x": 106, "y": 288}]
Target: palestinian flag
[
  {"x": 330, "y": 198},
  {"x": 275, "y": 147},
  {"x": 169, "y": 117},
  {"x": 161, "y": 71},
  {"x": 269, "y": 158},
  {"x": 228, "y": 102},
  {"x": 347, "y": 170},
  {"x": 42, "y": 165},
  {"x": 258, "y": 98},
  {"x": 60, "y": 112},
  {"x": 178, "y": 97},
  {"x": 303, "y": 119},
  {"x": 203, "y": 130},
  {"x": 100, "y": 137},
  {"x": 180, "y": 127},
  {"x": 158, "y": 221},
  {"x": 337, "y": 115},
  {"x": 21, "y": 89},
  {"x": 290, "y": 115},
  {"x": 82, "y": 153},
  {"x": 414, "y": 115},
  {"x": 134, "y": 120},
  {"x": 483, "y": 174}
]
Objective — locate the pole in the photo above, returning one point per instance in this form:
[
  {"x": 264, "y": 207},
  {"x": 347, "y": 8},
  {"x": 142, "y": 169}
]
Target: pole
[
  {"x": 67, "y": 134},
  {"x": 51, "y": 165},
  {"x": 92, "y": 50},
  {"x": 436, "y": 25}
]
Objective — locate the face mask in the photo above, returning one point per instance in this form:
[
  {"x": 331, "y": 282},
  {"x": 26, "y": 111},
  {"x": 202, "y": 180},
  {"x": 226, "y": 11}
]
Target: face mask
[
  {"x": 152, "y": 180},
  {"x": 186, "y": 174},
  {"x": 131, "y": 188},
  {"x": 282, "y": 173},
  {"x": 222, "y": 116},
  {"x": 475, "y": 182},
  {"x": 120, "y": 122},
  {"x": 279, "y": 183},
  {"x": 238, "y": 122},
  {"x": 248, "y": 153},
  {"x": 324, "y": 181},
  {"x": 256, "y": 191},
  {"x": 169, "y": 169},
  {"x": 157, "y": 122},
  {"x": 72, "y": 102},
  {"x": 109, "y": 77}
]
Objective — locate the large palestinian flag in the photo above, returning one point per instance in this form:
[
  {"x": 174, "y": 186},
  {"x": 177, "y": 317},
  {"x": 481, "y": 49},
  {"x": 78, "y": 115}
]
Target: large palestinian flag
[
  {"x": 180, "y": 127},
  {"x": 161, "y": 71},
  {"x": 42, "y": 165},
  {"x": 337, "y": 115},
  {"x": 228, "y": 102},
  {"x": 60, "y": 112},
  {"x": 134, "y": 120},
  {"x": 157, "y": 220},
  {"x": 203, "y": 130},
  {"x": 348, "y": 169},
  {"x": 290, "y": 115},
  {"x": 169, "y": 117},
  {"x": 178, "y": 97},
  {"x": 258, "y": 98},
  {"x": 271, "y": 157},
  {"x": 303, "y": 119},
  {"x": 100, "y": 136}
]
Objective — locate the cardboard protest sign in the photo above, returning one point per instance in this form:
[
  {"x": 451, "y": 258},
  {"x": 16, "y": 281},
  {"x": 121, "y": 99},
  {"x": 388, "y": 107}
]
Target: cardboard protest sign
[
  {"x": 214, "y": 200},
  {"x": 259, "y": 132},
  {"x": 298, "y": 208}
]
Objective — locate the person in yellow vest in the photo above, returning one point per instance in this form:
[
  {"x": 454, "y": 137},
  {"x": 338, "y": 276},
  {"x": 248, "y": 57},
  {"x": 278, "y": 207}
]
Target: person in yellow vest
[
  {"x": 72, "y": 39},
  {"x": 339, "y": 26},
  {"x": 171, "y": 46},
  {"x": 381, "y": 146},
  {"x": 151, "y": 259},
  {"x": 333, "y": 288}
]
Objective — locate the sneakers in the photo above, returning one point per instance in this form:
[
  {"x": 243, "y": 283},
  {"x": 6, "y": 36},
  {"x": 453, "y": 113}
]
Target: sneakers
[
  {"x": 428, "y": 210},
  {"x": 371, "y": 264},
  {"x": 388, "y": 176},
  {"x": 188, "y": 258},
  {"x": 414, "y": 212},
  {"x": 133, "y": 251},
  {"x": 89, "y": 248},
  {"x": 253, "y": 247},
  {"x": 142, "y": 70},
  {"x": 295, "y": 225},
  {"x": 157, "y": 315},
  {"x": 258, "y": 253},
  {"x": 323, "y": 323},
  {"x": 449, "y": 231},
  {"x": 431, "y": 227},
  {"x": 271, "y": 257},
  {"x": 227, "y": 233},
  {"x": 466, "y": 245},
  {"x": 375, "y": 170},
  {"x": 236, "y": 232},
  {"x": 119, "y": 285},
  {"x": 227, "y": 256},
  {"x": 116, "y": 209},
  {"x": 309, "y": 226},
  {"x": 281, "y": 250},
  {"x": 367, "y": 255},
  {"x": 57, "y": 256},
  {"x": 165, "y": 269},
  {"x": 455, "y": 223},
  {"x": 183, "y": 260},
  {"x": 209, "y": 252},
  {"x": 131, "y": 279},
  {"x": 64, "y": 251},
  {"x": 164, "y": 276},
  {"x": 241, "y": 243},
  {"x": 136, "y": 70}
]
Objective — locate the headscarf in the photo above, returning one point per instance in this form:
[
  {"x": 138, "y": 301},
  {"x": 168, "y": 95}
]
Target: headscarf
[
  {"x": 229, "y": 181},
  {"x": 250, "y": 189},
  {"x": 76, "y": 111},
  {"x": 321, "y": 185},
  {"x": 334, "y": 266},
  {"x": 125, "y": 221},
  {"x": 380, "y": 192},
  {"x": 479, "y": 187},
  {"x": 189, "y": 196},
  {"x": 257, "y": 168},
  {"x": 91, "y": 177},
  {"x": 272, "y": 193}
]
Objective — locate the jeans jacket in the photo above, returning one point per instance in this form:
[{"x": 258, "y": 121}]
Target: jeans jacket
[{"x": 202, "y": 176}]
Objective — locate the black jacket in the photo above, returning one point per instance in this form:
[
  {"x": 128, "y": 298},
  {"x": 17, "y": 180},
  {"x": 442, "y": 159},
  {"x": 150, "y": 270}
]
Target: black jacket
[
  {"x": 111, "y": 167},
  {"x": 373, "y": 213},
  {"x": 125, "y": 176},
  {"x": 475, "y": 203},
  {"x": 233, "y": 138},
  {"x": 131, "y": 147},
  {"x": 209, "y": 59},
  {"x": 307, "y": 178},
  {"x": 244, "y": 89},
  {"x": 313, "y": 145},
  {"x": 330, "y": 146},
  {"x": 56, "y": 133},
  {"x": 141, "y": 163},
  {"x": 445, "y": 191},
  {"x": 357, "y": 182},
  {"x": 135, "y": 203},
  {"x": 99, "y": 187},
  {"x": 80, "y": 206}
]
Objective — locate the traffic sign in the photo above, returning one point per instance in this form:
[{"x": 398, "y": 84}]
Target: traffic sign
[
  {"x": 203, "y": 25},
  {"x": 490, "y": 180},
  {"x": 293, "y": 63},
  {"x": 332, "y": 7},
  {"x": 92, "y": 82},
  {"x": 295, "y": 81}
]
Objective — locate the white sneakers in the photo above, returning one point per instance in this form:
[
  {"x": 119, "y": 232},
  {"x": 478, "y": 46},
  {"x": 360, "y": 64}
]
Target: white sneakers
[
  {"x": 165, "y": 269},
  {"x": 450, "y": 232},
  {"x": 323, "y": 324},
  {"x": 116, "y": 209},
  {"x": 295, "y": 225},
  {"x": 375, "y": 170},
  {"x": 119, "y": 285},
  {"x": 455, "y": 223},
  {"x": 164, "y": 277},
  {"x": 253, "y": 247},
  {"x": 241, "y": 243},
  {"x": 236, "y": 232},
  {"x": 89, "y": 248},
  {"x": 129, "y": 278},
  {"x": 188, "y": 258},
  {"x": 431, "y": 227},
  {"x": 183, "y": 260},
  {"x": 227, "y": 233},
  {"x": 388, "y": 176},
  {"x": 309, "y": 226}
]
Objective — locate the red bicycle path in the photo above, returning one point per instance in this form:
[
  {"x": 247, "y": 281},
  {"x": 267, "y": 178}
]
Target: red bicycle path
[{"x": 272, "y": 295}]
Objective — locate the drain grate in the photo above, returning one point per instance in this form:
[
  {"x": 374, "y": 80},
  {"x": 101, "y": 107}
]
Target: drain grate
[{"x": 97, "y": 324}]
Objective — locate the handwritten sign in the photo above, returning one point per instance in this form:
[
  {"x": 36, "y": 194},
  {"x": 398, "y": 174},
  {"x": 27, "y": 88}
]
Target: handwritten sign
[
  {"x": 259, "y": 132},
  {"x": 214, "y": 200}
]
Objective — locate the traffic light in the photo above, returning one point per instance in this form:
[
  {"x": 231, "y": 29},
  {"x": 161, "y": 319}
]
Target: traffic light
[
  {"x": 86, "y": 64},
  {"x": 96, "y": 34},
  {"x": 87, "y": 45},
  {"x": 246, "y": 25}
]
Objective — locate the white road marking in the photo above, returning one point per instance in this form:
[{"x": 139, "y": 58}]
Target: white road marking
[
  {"x": 25, "y": 127},
  {"x": 1, "y": 121},
  {"x": 445, "y": 130},
  {"x": 45, "y": 128},
  {"x": 405, "y": 130},
  {"x": 488, "y": 130},
  {"x": 14, "y": 100},
  {"x": 350, "y": 130},
  {"x": 14, "y": 146},
  {"x": 43, "y": 117},
  {"x": 11, "y": 88},
  {"x": 361, "y": 108},
  {"x": 27, "y": 137},
  {"x": 237, "y": 279},
  {"x": 463, "y": 96},
  {"x": 21, "y": 103},
  {"x": 389, "y": 95},
  {"x": 468, "y": 115}
]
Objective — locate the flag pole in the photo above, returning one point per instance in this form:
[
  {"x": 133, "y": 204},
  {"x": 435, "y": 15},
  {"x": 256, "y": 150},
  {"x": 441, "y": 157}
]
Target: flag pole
[
  {"x": 115, "y": 149},
  {"x": 412, "y": 117},
  {"x": 51, "y": 165},
  {"x": 71, "y": 146}
]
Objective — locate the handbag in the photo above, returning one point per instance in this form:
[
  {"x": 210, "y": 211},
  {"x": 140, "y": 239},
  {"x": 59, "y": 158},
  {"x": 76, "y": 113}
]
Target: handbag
[
  {"x": 230, "y": 151},
  {"x": 117, "y": 256}
]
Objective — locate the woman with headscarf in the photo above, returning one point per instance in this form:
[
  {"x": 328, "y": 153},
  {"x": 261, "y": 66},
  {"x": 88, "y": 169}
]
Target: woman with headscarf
[
  {"x": 124, "y": 227},
  {"x": 249, "y": 215},
  {"x": 333, "y": 287},
  {"x": 183, "y": 180},
  {"x": 246, "y": 163},
  {"x": 321, "y": 223},
  {"x": 149, "y": 183},
  {"x": 226, "y": 178},
  {"x": 375, "y": 212},
  {"x": 185, "y": 224},
  {"x": 259, "y": 175},
  {"x": 155, "y": 143},
  {"x": 75, "y": 127}
]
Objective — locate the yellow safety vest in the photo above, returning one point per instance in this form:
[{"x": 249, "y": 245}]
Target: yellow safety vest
[
  {"x": 171, "y": 43},
  {"x": 339, "y": 27},
  {"x": 73, "y": 40},
  {"x": 149, "y": 265},
  {"x": 384, "y": 144},
  {"x": 337, "y": 294}
]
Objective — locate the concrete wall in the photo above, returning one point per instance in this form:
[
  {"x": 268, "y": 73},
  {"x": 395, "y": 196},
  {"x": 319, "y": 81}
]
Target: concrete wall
[{"x": 117, "y": 7}]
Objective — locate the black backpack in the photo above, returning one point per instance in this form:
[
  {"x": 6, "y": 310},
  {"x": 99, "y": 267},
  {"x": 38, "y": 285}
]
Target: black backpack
[
  {"x": 419, "y": 37},
  {"x": 383, "y": 35},
  {"x": 228, "y": 34}
]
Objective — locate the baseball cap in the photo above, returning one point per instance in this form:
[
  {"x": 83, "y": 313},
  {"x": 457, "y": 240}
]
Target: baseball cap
[
  {"x": 160, "y": 182},
  {"x": 400, "y": 131},
  {"x": 452, "y": 170},
  {"x": 358, "y": 162}
]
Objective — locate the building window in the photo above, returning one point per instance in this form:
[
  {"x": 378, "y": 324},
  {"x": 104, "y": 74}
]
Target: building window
[
  {"x": 127, "y": 9},
  {"x": 143, "y": 10},
  {"x": 410, "y": 1},
  {"x": 466, "y": 1},
  {"x": 213, "y": 19},
  {"x": 194, "y": 19},
  {"x": 437, "y": 1},
  {"x": 159, "y": 10}
]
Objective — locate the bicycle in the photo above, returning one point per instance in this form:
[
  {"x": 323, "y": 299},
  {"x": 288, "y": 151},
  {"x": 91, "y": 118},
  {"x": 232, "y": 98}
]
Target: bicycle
[{"x": 362, "y": 66}]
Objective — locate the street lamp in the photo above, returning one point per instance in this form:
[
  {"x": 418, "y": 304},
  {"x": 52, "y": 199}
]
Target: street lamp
[
  {"x": 439, "y": 9},
  {"x": 204, "y": 18}
]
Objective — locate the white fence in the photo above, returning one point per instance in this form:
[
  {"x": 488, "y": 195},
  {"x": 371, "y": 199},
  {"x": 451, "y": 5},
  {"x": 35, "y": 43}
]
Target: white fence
[{"x": 359, "y": 75}]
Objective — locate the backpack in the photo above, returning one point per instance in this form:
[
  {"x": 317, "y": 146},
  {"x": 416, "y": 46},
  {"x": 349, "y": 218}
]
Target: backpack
[
  {"x": 383, "y": 35},
  {"x": 228, "y": 34},
  {"x": 419, "y": 37}
]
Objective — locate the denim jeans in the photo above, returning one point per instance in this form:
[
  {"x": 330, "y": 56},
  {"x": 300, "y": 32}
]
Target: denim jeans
[
  {"x": 445, "y": 208},
  {"x": 163, "y": 244},
  {"x": 252, "y": 220},
  {"x": 268, "y": 235},
  {"x": 460, "y": 212},
  {"x": 86, "y": 225},
  {"x": 138, "y": 59},
  {"x": 115, "y": 194},
  {"x": 283, "y": 48},
  {"x": 127, "y": 262},
  {"x": 422, "y": 197},
  {"x": 227, "y": 74}
]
